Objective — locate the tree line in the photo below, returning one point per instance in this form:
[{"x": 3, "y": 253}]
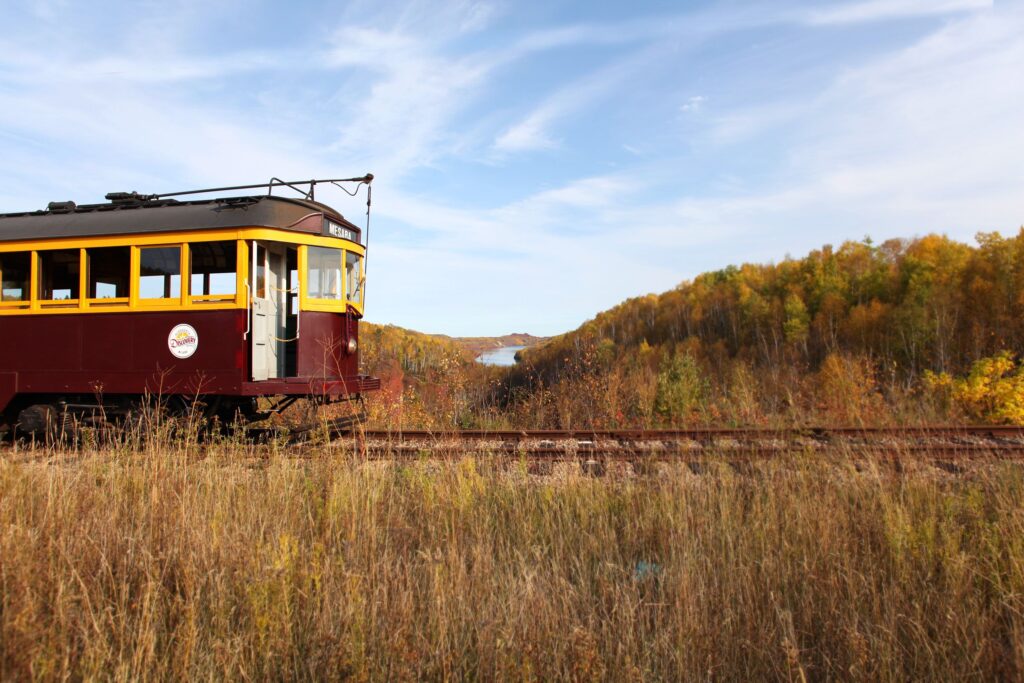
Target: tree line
[{"x": 930, "y": 303}]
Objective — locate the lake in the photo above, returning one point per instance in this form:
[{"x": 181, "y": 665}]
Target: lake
[{"x": 506, "y": 355}]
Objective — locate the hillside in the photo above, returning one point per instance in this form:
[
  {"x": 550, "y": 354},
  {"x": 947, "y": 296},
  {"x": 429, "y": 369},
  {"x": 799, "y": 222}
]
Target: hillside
[
  {"x": 920, "y": 330},
  {"x": 427, "y": 381},
  {"x": 862, "y": 332},
  {"x": 387, "y": 346}
]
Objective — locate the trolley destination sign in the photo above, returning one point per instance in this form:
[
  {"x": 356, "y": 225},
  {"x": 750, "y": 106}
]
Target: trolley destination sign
[{"x": 335, "y": 229}]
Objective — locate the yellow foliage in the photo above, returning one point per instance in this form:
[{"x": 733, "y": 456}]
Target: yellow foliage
[
  {"x": 993, "y": 391},
  {"x": 847, "y": 389},
  {"x": 838, "y": 336}
]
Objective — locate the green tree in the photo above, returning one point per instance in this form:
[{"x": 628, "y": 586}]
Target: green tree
[
  {"x": 681, "y": 389},
  {"x": 798, "y": 320}
]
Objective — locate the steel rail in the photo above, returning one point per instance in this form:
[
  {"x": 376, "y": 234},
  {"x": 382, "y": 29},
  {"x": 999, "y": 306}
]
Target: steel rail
[
  {"x": 701, "y": 434},
  {"x": 938, "y": 444},
  {"x": 961, "y": 452}
]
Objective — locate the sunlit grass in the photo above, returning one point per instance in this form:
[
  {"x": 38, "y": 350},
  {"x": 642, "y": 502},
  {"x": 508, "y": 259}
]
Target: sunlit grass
[{"x": 237, "y": 562}]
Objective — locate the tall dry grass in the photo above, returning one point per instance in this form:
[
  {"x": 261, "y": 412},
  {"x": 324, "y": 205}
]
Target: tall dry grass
[{"x": 245, "y": 564}]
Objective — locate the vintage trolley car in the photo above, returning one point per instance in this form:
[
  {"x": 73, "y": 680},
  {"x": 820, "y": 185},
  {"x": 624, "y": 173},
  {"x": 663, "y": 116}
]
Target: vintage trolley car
[{"x": 228, "y": 300}]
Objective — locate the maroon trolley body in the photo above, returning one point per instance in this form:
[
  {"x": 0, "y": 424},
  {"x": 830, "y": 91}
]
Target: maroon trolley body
[{"x": 224, "y": 300}]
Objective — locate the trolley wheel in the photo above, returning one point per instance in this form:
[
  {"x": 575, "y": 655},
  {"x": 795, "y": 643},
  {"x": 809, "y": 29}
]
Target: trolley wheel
[{"x": 44, "y": 421}]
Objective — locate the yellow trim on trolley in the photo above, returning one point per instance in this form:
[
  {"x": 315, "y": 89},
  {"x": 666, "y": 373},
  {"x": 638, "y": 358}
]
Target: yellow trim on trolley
[
  {"x": 184, "y": 299},
  {"x": 343, "y": 301}
]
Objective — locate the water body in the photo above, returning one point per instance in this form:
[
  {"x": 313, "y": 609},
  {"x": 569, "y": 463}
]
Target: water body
[{"x": 506, "y": 355}]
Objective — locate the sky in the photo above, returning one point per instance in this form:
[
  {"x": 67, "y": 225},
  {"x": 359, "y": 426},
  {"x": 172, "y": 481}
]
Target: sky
[{"x": 536, "y": 162}]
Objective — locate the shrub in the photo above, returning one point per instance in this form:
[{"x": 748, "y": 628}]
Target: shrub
[
  {"x": 993, "y": 391},
  {"x": 681, "y": 388}
]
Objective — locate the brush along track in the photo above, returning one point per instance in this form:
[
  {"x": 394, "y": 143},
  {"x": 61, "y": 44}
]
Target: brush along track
[{"x": 947, "y": 443}]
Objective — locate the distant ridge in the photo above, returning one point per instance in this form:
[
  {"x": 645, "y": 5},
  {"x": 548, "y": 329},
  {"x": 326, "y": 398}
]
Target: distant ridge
[
  {"x": 473, "y": 346},
  {"x": 478, "y": 345}
]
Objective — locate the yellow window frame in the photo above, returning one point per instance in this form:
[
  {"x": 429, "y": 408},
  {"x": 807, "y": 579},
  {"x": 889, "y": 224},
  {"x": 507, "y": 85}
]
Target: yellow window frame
[
  {"x": 160, "y": 303},
  {"x": 105, "y": 304},
  {"x": 307, "y": 303},
  {"x": 241, "y": 236},
  {"x": 358, "y": 305},
  {"x": 24, "y": 304},
  {"x": 59, "y": 304},
  {"x": 207, "y": 301}
]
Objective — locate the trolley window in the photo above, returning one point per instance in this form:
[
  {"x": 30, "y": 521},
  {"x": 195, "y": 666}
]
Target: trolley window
[
  {"x": 213, "y": 270},
  {"x": 59, "y": 275},
  {"x": 15, "y": 275},
  {"x": 354, "y": 277},
  {"x": 324, "y": 273},
  {"x": 261, "y": 271},
  {"x": 160, "y": 272},
  {"x": 109, "y": 273}
]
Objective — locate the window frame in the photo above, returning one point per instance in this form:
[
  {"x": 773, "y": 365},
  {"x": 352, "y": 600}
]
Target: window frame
[
  {"x": 22, "y": 304},
  {"x": 361, "y": 279},
  {"x": 37, "y": 270},
  {"x": 205, "y": 300},
  {"x": 308, "y": 303},
  {"x": 111, "y": 302},
  {"x": 243, "y": 237},
  {"x": 159, "y": 302},
  {"x": 329, "y": 304}
]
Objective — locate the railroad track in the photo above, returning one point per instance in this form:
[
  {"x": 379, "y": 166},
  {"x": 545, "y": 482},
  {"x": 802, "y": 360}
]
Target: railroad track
[
  {"x": 706, "y": 433},
  {"x": 951, "y": 443},
  {"x": 945, "y": 445}
]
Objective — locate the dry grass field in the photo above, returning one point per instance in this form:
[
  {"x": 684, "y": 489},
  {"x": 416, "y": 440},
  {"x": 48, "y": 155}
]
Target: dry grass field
[{"x": 238, "y": 562}]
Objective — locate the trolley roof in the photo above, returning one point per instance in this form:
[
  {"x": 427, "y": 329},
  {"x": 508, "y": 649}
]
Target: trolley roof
[{"x": 129, "y": 213}]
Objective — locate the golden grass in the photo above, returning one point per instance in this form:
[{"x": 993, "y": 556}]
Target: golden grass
[{"x": 168, "y": 565}]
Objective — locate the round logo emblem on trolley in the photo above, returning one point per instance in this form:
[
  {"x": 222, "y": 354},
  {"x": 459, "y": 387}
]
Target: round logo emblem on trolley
[{"x": 183, "y": 341}]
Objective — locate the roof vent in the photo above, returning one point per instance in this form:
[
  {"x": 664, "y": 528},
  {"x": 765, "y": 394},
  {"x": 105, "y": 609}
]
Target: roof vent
[{"x": 61, "y": 207}]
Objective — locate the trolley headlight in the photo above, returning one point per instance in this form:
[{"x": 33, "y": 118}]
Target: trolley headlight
[{"x": 353, "y": 345}]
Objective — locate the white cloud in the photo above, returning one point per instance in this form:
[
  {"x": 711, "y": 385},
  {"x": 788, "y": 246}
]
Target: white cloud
[
  {"x": 48, "y": 9},
  {"x": 400, "y": 123},
  {"x": 532, "y": 132},
  {"x": 477, "y": 16},
  {"x": 919, "y": 140},
  {"x": 418, "y": 90},
  {"x": 693, "y": 104},
  {"x": 924, "y": 138},
  {"x": 533, "y": 259},
  {"x": 28, "y": 69},
  {"x": 930, "y": 123},
  {"x": 876, "y": 10},
  {"x": 589, "y": 193},
  {"x": 538, "y": 221}
]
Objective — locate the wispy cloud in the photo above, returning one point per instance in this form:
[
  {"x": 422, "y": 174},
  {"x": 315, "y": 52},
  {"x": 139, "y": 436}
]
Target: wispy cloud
[
  {"x": 920, "y": 139},
  {"x": 877, "y": 10},
  {"x": 817, "y": 133},
  {"x": 693, "y": 103},
  {"x": 400, "y": 122},
  {"x": 420, "y": 89},
  {"x": 29, "y": 68},
  {"x": 533, "y": 132}
]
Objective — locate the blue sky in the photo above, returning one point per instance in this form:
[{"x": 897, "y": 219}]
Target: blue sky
[{"x": 537, "y": 162}]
